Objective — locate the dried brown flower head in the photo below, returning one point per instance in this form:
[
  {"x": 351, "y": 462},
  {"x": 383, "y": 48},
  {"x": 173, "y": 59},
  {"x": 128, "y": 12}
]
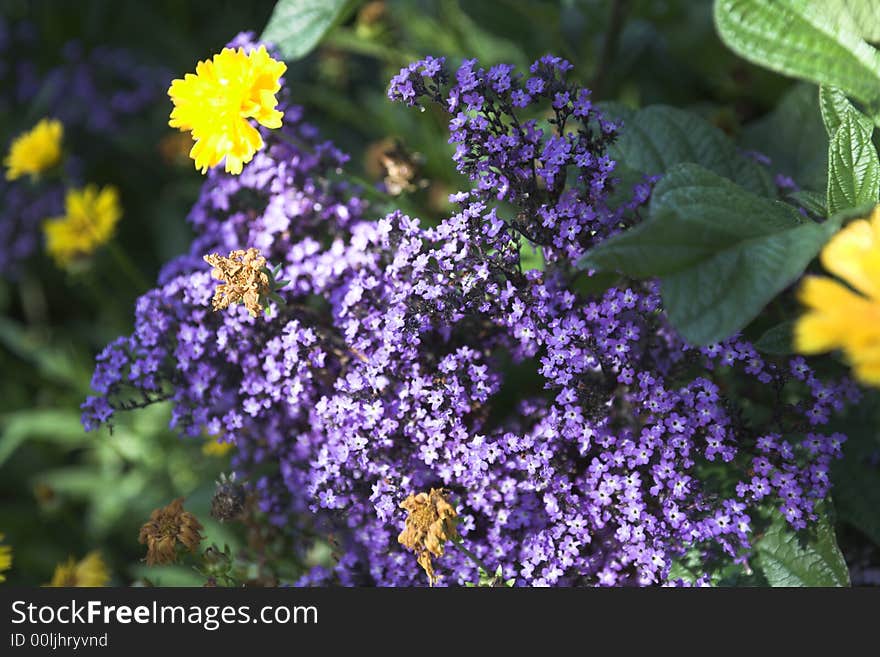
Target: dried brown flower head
[
  {"x": 430, "y": 522},
  {"x": 399, "y": 168},
  {"x": 167, "y": 528},
  {"x": 372, "y": 13},
  {"x": 243, "y": 279}
]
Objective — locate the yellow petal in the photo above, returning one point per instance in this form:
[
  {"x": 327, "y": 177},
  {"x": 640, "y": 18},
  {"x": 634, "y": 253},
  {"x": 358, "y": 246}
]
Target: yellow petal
[{"x": 853, "y": 255}]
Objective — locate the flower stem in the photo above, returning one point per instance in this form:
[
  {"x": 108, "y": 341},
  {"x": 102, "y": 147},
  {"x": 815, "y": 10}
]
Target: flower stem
[
  {"x": 126, "y": 265},
  {"x": 459, "y": 545}
]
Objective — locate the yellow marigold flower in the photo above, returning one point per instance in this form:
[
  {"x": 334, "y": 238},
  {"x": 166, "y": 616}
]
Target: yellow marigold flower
[
  {"x": 91, "y": 571},
  {"x": 35, "y": 151},
  {"x": 430, "y": 522},
  {"x": 90, "y": 217},
  {"x": 167, "y": 527},
  {"x": 243, "y": 279},
  {"x": 841, "y": 317},
  {"x": 5, "y": 559},
  {"x": 216, "y": 102},
  {"x": 216, "y": 448}
]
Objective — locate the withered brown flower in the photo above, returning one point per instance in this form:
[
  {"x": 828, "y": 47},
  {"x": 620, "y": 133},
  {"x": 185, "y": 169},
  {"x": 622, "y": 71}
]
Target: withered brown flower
[
  {"x": 399, "y": 168},
  {"x": 243, "y": 279},
  {"x": 430, "y": 522},
  {"x": 167, "y": 527}
]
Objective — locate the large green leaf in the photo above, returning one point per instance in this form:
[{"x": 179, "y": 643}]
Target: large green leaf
[
  {"x": 794, "y": 139},
  {"x": 296, "y": 26},
  {"x": 801, "y": 559},
  {"x": 853, "y": 165},
  {"x": 864, "y": 15},
  {"x": 658, "y": 137},
  {"x": 807, "y": 39},
  {"x": 721, "y": 252}
]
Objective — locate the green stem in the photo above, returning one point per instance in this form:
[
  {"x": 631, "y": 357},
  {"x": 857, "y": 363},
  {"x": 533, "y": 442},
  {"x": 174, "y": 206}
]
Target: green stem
[
  {"x": 616, "y": 22},
  {"x": 459, "y": 545},
  {"x": 126, "y": 265}
]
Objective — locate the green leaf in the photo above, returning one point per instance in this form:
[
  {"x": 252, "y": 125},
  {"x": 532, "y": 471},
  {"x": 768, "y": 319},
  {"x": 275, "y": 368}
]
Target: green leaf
[
  {"x": 296, "y": 26},
  {"x": 793, "y": 137},
  {"x": 53, "y": 362},
  {"x": 853, "y": 165},
  {"x": 813, "y": 202},
  {"x": 721, "y": 252},
  {"x": 804, "y": 39},
  {"x": 56, "y": 426},
  {"x": 530, "y": 256},
  {"x": 801, "y": 559},
  {"x": 857, "y": 496},
  {"x": 777, "y": 340},
  {"x": 658, "y": 137},
  {"x": 834, "y": 106},
  {"x": 864, "y": 15}
]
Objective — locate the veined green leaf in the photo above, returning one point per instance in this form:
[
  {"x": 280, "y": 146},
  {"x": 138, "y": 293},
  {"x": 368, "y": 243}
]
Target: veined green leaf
[
  {"x": 806, "y": 39},
  {"x": 721, "y": 252},
  {"x": 853, "y": 165},
  {"x": 801, "y": 559},
  {"x": 296, "y": 26},
  {"x": 658, "y": 137}
]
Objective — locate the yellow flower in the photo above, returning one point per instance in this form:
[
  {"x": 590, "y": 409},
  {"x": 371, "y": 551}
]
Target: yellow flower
[
  {"x": 217, "y": 448},
  {"x": 841, "y": 317},
  {"x": 35, "y": 151},
  {"x": 91, "y": 571},
  {"x": 5, "y": 559},
  {"x": 90, "y": 217},
  {"x": 216, "y": 102}
]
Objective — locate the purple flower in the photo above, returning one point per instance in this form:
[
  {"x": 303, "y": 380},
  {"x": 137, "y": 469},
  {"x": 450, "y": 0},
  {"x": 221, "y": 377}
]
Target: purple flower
[{"x": 573, "y": 429}]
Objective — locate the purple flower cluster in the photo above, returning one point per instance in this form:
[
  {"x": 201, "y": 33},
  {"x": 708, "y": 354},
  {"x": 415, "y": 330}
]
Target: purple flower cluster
[
  {"x": 517, "y": 160},
  {"x": 98, "y": 92},
  {"x": 578, "y": 436},
  {"x": 23, "y": 207}
]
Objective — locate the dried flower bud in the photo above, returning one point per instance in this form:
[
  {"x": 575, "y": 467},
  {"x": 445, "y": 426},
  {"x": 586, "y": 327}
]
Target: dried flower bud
[
  {"x": 429, "y": 524},
  {"x": 228, "y": 501},
  {"x": 398, "y": 167},
  {"x": 167, "y": 527},
  {"x": 372, "y": 13},
  {"x": 244, "y": 279}
]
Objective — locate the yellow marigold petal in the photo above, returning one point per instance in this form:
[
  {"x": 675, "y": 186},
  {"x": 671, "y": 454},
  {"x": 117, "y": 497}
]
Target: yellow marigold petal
[
  {"x": 853, "y": 255},
  {"x": 35, "y": 151},
  {"x": 5, "y": 558},
  {"x": 835, "y": 307},
  {"x": 89, "y": 221},
  {"x": 216, "y": 448},
  {"x": 868, "y": 372},
  {"x": 216, "y": 103},
  {"x": 90, "y": 571}
]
